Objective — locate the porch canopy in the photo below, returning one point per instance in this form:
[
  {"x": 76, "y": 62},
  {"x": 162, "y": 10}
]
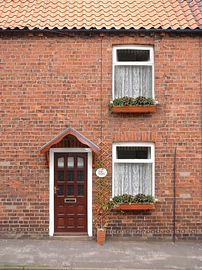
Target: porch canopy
[{"x": 69, "y": 131}]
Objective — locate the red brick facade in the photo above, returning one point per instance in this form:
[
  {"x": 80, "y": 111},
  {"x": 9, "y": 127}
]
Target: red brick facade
[{"x": 51, "y": 82}]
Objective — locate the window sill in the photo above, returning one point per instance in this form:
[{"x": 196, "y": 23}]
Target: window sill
[
  {"x": 134, "y": 109},
  {"x": 135, "y": 207}
]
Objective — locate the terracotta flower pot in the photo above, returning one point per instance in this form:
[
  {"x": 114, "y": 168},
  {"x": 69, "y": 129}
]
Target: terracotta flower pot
[{"x": 101, "y": 236}]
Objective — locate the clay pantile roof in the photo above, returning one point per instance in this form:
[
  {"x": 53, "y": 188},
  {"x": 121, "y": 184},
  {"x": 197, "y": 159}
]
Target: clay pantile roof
[{"x": 101, "y": 14}]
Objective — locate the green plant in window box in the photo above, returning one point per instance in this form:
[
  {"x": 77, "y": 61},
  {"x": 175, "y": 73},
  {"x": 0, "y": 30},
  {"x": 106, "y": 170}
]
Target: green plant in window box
[
  {"x": 134, "y": 105},
  {"x": 130, "y": 101},
  {"x": 131, "y": 199},
  {"x": 139, "y": 202}
]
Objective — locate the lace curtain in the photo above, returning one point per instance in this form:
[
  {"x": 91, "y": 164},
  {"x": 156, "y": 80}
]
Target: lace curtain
[
  {"x": 133, "y": 81},
  {"x": 130, "y": 178}
]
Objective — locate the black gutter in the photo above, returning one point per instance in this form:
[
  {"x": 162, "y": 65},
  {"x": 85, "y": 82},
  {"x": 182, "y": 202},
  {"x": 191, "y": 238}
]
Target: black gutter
[{"x": 99, "y": 31}]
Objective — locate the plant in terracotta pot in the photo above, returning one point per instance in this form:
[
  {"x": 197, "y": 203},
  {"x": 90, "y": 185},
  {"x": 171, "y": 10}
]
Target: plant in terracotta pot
[
  {"x": 101, "y": 219},
  {"x": 102, "y": 209}
]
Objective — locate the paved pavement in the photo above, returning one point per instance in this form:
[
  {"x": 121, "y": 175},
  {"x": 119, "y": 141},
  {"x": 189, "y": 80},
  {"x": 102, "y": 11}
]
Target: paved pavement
[{"x": 87, "y": 254}]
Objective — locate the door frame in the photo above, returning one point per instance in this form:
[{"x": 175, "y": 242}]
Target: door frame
[{"x": 89, "y": 186}]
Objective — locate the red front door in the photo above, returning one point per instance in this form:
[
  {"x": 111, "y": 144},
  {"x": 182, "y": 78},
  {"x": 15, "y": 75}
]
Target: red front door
[{"x": 70, "y": 188}]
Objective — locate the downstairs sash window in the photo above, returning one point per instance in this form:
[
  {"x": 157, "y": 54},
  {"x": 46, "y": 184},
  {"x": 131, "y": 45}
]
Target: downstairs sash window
[{"x": 133, "y": 168}]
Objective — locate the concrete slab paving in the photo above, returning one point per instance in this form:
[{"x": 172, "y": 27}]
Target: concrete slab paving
[{"x": 28, "y": 254}]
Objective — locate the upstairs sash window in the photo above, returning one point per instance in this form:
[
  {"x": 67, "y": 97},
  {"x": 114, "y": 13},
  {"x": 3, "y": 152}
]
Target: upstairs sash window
[{"x": 133, "y": 71}]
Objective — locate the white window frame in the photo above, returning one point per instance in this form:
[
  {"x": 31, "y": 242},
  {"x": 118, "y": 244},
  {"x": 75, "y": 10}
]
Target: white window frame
[
  {"x": 134, "y": 63},
  {"x": 133, "y": 144}
]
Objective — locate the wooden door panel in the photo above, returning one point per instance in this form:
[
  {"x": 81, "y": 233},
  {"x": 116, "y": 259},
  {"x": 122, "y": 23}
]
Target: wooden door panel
[
  {"x": 81, "y": 222},
  {"x": 70, "y": 174},
  {"x": 81, "y": 210},
  {"x": 70, "y": 222},
  {"x": 61, "y": 222},
  {"x": 60, "y": 210}
]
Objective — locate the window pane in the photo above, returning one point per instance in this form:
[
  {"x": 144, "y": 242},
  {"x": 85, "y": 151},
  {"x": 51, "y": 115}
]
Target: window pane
[
  {"x": 80, "y": 176},
  {"x": 133, "y": 152},
  {"x": 81, "y": 190},
  {"x": 133, "y": 81},
  {"x": 70, "y": 190},
  {"x": 61, "y": 175},
  {"x": 70, "y": 176},
  {"x": 132, "y": 55},
  {"x": 80, "y": 162},
  {"x": 70, "y": 162},
  {"x": 61, "y": 162},
  {"x": 60, "y": 190},
  {"x": 132, "y": 179}
]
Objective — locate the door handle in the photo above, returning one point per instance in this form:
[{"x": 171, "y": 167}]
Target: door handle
[{"x": 55, "y": 190}]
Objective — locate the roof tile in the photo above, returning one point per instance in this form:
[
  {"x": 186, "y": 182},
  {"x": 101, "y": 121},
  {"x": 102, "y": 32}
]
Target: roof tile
[{"x": 117, "y": 14}]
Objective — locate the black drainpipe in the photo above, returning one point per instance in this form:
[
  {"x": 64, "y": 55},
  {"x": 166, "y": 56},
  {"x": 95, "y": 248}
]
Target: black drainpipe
[{"x": 174, "y": 196}]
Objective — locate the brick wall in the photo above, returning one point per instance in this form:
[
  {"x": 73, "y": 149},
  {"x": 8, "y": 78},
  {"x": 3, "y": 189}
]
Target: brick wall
[{"x": 50, "y": 82}]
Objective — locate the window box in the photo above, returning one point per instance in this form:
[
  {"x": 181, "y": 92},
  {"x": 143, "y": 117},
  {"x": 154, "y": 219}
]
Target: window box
[
  {"x": 134, "y": 109},
  {"x": 133, "y": 105},
  {"x": 138, "y": 202},
  {"x": 135, "y": 207}
]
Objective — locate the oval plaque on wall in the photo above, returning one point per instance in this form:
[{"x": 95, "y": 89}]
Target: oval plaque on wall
[{"x": 101, "y": 172}]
